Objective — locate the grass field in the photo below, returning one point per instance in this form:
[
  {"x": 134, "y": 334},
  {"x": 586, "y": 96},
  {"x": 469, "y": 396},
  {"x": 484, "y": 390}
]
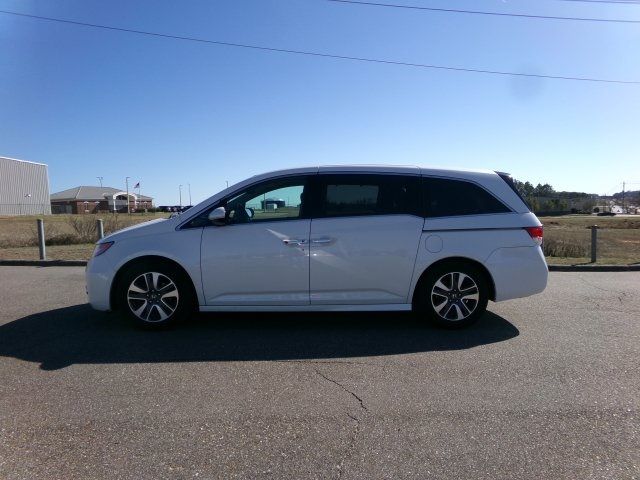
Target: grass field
[
  {"x": 80, "y": 251},
  {"x": 567, "y": 238},
  {"x": 18, "y": 232}
]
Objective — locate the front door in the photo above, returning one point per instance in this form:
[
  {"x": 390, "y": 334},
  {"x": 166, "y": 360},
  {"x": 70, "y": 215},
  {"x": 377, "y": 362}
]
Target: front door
[{"x": 261, "y": 255}]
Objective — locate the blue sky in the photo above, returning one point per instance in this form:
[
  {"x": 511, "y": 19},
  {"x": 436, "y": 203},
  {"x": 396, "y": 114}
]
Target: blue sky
[{"x": 90, "y": 102}]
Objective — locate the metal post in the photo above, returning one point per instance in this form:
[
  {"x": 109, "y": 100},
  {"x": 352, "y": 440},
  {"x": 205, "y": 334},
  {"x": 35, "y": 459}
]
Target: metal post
[
  {"x": 41, "y": 247},
  {"x": 100, "y": 228},
  {"x": 180, "y": 190},
  {"x": 127, "y": 182},
  {"x": 594, "y": 243}
]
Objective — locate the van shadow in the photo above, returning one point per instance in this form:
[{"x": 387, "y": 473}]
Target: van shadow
[{"x": 76, "y": 335}]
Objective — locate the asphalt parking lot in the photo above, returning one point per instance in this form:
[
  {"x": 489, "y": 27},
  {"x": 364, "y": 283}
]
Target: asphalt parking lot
[{"x": 544, "y": 387}]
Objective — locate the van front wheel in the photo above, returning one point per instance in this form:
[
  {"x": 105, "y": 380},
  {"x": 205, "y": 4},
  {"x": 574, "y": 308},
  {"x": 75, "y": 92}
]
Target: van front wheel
[{"x": 154, "y": 296}]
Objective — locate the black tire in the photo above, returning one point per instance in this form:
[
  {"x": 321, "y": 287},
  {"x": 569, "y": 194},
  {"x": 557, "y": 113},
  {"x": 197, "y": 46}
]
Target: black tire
[
  {"x": 453, "y": 295},
  {"x": 155, "y": 294}
]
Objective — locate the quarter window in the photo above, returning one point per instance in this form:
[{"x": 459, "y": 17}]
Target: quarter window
[{"x": 447, "y": 198}]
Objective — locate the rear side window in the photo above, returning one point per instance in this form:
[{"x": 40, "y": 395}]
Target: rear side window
[
  {"x": 356, "y": 195},
  {"x": 509, "y": 181},
  {"x": 445, "y": 197}
]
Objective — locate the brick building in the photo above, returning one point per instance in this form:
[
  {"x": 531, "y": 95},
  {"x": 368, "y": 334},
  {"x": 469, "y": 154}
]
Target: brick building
[{"x": 87, "y": 199}]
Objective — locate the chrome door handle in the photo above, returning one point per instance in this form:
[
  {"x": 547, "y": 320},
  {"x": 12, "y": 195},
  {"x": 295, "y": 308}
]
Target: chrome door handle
[
  {"x": 294, "y": 242},
  {"x": 322, "y": 241}
]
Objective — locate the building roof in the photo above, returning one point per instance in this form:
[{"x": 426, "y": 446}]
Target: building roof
[
  {"x": 22, "y": 161},
  {"x": 90, "y": 193}
]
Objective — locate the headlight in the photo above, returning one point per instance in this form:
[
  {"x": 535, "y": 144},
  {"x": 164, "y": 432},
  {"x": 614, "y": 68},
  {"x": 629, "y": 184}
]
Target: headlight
[{"x": 101, "y": 248}]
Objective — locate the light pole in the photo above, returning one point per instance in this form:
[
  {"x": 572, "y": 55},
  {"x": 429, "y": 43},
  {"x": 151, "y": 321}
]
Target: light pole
[
  {"x": 100, "y": 179},
  {"x": 127, "y": 182},
  {"x": 227, "y": 183},
  {"x": 180, "y": 190},
  {"x": 189, "y": 185}
]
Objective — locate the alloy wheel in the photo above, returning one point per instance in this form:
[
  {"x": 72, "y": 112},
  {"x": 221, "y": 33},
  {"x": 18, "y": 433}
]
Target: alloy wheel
[
  {"x": 455, "y": 296},
  {"x": 153, "y": 297}
]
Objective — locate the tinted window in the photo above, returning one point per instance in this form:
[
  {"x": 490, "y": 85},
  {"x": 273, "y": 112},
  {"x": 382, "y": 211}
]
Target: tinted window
[
  {"x": 347, "y": 195},
  {"x": 509, "y": 181},
  {"x": 445, "y": 198}
]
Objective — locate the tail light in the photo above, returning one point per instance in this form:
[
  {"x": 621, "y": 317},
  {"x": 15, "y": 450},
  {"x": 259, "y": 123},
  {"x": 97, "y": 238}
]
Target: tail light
[{"x": 536, "y": 234}]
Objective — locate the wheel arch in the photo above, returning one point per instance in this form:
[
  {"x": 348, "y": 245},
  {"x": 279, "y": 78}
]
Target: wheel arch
[
  {"x": 115, "y": 284},
  {"x": 444, "y": 261}
]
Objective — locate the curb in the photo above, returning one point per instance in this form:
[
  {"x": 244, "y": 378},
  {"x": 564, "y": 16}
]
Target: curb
[
  {"x": 43, "y": 263},
  {"x": 594, "y": 268}
]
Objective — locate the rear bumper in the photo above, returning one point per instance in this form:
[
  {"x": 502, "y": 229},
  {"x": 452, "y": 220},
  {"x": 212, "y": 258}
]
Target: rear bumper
[
  {"x": 518, "y": 272},
  {"x": 98, "y": 284}
]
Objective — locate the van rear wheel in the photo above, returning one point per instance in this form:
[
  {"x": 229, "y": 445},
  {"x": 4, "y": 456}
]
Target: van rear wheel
[{"x": 454, "y": 295}]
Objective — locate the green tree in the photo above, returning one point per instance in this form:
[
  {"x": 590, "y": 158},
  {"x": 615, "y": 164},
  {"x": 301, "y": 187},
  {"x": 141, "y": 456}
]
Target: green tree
[
  {"x": 545, "y": 190},
  {"x": 534, "y": 204},
  {"x": 527, "y": 189},
  {"x": 547, "y": 206},
  {"x": 588, "y": 205}
]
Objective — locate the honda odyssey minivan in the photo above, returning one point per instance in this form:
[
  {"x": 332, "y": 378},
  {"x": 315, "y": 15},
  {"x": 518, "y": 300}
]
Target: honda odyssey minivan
[{"x": 439, "y": 242}]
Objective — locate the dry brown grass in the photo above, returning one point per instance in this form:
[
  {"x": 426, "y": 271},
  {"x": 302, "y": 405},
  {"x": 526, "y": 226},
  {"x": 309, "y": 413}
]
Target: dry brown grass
[
  {"x": 564, "y": 247},
  {"x": 568, "y": 240},
  {"x": 18, "y": 232},
  {"x": 54, "y": 252},
  {"x": 584, "y": 221}
]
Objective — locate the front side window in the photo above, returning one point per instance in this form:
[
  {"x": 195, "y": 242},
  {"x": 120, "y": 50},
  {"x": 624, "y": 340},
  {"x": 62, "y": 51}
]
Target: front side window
[
  {"x": 356, "y": 195},
  {"x": 271, "y": 200},
  {"x": 445, "y": 197},
  {"x": 279, "y": 200}
]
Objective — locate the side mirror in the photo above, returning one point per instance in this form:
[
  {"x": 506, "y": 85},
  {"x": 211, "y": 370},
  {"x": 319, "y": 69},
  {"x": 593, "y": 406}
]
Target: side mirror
[
  {"x": 250, "y": 212},
  {"x": 218, "y": 216}
]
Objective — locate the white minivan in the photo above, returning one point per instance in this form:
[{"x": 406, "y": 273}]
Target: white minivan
[{"x": 440, "y": 242}]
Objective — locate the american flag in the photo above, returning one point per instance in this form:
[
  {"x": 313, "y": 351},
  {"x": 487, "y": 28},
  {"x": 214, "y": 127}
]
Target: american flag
[{"x": 137, "y": 185}]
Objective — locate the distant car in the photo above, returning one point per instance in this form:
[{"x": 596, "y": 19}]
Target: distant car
[
  {"x": 606, "y": 214},
  {"x": 439, "y": 242},
  {"x": 174, "y": 208}
]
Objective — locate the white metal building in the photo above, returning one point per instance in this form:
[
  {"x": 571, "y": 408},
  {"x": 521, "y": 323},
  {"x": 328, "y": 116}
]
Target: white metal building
[{"x": 24, "y": 187}]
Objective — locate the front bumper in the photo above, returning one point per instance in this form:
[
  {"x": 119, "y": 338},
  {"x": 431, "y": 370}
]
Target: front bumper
[{"x": 99, "y": 276}]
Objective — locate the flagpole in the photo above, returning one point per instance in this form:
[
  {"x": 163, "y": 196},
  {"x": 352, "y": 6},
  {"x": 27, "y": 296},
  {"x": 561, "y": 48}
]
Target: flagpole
[{"x": 128, "y": 204}]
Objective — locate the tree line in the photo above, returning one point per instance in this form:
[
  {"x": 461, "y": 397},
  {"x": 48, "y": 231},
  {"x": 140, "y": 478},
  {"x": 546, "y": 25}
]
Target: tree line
[{"x": 544, "y": 198}]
